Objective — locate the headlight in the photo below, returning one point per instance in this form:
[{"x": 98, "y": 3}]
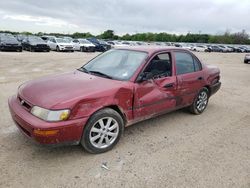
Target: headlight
[{"x": 50, "y": 115}]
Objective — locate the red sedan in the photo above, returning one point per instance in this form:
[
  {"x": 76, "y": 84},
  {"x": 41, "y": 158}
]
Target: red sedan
[{"x": 120, "y": 87}]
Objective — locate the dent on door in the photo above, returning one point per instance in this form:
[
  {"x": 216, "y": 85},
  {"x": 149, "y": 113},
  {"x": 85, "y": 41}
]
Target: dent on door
[{"x": 153, "y": 97}]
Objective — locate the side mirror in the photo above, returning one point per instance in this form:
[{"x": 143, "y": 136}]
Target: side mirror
[{"x": 145, "y": 76}]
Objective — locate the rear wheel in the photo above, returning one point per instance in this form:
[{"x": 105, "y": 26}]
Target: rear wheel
[
  {"x": 200, "y": 102},
  {"x": 103, "y": 131}
]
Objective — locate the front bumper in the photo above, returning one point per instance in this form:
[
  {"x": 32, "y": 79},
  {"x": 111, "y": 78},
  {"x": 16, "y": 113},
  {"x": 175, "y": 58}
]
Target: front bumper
[
  {"x": 41, "y": 48},
  {"x": 69, "y": 131},
  {"x": 65, "y": 48},
  {"x": 11, "y": 47},
  {"x": 214, "y": 88}
]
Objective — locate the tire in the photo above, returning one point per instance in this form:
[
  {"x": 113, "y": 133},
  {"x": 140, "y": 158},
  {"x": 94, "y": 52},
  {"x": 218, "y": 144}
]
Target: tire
[
  {"x": 57, "y": 49},
  {"x": 103, "y": 139},
  {"x": 246, "y": 62},
  {"x": 200, "y": 102}
]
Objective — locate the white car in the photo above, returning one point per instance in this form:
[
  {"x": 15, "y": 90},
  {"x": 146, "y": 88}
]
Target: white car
[
  {"x": 83, "y": 45},
  {"x": 225, "y": 48},
  {"x": 60, "y": 44},
  {"x": 200, "y": 48}
]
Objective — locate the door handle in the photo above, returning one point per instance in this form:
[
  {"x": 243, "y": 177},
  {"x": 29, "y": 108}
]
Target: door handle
[
  {"x": 200, "y": 78},
  {"x": 169, "y": 85}
]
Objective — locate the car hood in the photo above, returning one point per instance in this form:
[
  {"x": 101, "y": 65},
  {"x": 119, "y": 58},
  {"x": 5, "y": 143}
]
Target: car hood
[
  {"x": 10, "y": 42},
  {"x": 36, "y": 43},
  {"x": 88, "y": 45},
  {"x": 53, "y": 92},
  {"x": 65, "y": 44}
]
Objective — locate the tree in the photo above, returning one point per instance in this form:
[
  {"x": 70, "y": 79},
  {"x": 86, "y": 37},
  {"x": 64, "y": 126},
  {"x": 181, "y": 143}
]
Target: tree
[{"x": 108, "y": 34}]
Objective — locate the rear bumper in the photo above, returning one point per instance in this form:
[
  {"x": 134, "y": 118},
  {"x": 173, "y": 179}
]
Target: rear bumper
[
  {"x": 69, "y": 131},
  {"x": 214, "y": 88}
]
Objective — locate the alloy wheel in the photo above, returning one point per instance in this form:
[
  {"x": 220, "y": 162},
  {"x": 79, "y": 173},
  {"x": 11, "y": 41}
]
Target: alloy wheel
[
  {"x": 104, "y": 132},
  {"x": 202, "y": 101}
]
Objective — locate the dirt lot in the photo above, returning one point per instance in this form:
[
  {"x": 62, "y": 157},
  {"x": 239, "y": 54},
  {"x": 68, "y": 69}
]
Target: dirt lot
[{"x": 173, "y": 150}]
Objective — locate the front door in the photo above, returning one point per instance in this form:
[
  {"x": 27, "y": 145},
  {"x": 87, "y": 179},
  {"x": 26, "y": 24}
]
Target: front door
[{"x": 156, "y": 95}]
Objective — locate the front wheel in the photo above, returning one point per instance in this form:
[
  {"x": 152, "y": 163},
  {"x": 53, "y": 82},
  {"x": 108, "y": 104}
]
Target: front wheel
[
  {"x": 103, "y": 131},
  {"x": 200, "y": 102}
]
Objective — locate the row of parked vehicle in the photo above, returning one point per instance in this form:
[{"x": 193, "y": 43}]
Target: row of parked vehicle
[
  {"x": 47, "y": 43},
  {"x": 217, "y": 48}
]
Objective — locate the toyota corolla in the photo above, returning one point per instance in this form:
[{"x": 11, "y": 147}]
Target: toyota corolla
[{"x": 92, "y": 105}]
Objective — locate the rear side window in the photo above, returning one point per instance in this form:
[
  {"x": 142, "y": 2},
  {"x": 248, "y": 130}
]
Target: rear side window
[
  {"x": 197, "y": 65},
  {"x": 185, "y": 63}
]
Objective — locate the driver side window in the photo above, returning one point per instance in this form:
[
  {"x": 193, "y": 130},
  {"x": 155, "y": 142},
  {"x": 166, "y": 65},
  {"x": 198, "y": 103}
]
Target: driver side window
[{"x": 160, "y": 66}]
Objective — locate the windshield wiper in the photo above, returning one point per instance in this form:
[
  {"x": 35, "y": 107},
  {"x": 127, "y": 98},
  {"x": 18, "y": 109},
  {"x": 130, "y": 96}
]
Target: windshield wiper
[
  {"x": 101, "y": 74},
  {"x": 82, "y": 69}
]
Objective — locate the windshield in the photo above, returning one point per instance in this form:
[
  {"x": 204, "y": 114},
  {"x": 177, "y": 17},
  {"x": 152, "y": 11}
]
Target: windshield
[
  {"x": 61, "y": 41},
  {"x": 8, "y": 39},
  {"x": 36, "y": 39},
  {"x": 117, "y": 64},
  {"x": 83, "y": 41},
  {"x": 67, "y": 40}
]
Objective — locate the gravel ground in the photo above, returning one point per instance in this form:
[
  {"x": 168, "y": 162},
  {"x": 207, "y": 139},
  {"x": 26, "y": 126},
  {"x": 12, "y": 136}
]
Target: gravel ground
[{"x": 173, "y": 150}]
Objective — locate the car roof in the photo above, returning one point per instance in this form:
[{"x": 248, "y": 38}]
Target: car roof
[{"x": 151, "y": 49}]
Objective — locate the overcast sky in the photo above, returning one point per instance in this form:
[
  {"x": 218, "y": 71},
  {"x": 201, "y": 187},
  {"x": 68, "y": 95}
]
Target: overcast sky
[{"x": 125, "y": 16}]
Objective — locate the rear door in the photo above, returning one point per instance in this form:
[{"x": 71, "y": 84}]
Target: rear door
[
  {"x": 156, "y": 95},
  {"x": 189, "y": 77}
]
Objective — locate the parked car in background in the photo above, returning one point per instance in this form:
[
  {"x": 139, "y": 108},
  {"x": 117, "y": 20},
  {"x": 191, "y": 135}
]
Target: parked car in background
[
  {"x": 242, "y": 49},
  {"x": 60, "y": 44},
  {"x": 232, "y": 48},
  {"x": 239, "y": 49},
  {"x": 34, "y": 43},
  {"x": 92, "y": 105},
  {"x": 200, "y": 48},
  {"x": 215, "y": 48},
  {"x": 246, "y": 48},
  {"x": 10, "y": 43},
  {"x": 225, "y": 48},
  {"x": 247, "y": 58},
  {"x": 83, "y": 45},
  {"x": 187, "y": 46},
  {"x": 100, "y": 46}
]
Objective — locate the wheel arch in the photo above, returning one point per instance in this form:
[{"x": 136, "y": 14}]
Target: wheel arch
[
  {"x": 117, "y": 109},
  {"x": 209, "y": 89}
]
